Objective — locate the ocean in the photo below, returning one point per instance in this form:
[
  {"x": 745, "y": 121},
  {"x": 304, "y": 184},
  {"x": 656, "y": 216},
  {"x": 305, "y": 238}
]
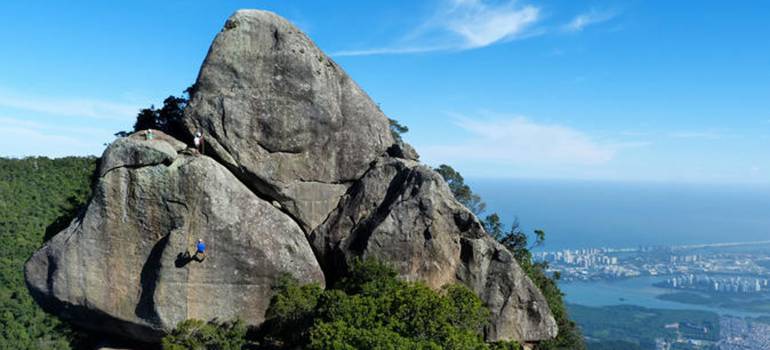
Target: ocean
[{"x": 581, "y": 214}]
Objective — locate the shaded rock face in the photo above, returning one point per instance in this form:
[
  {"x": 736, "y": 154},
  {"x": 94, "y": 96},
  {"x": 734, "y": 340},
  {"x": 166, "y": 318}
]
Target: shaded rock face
[
  {"x": 121, "y": 267},
  {"x": 284, "y": 116},
  {"x": 403, "y": 212},
  {"x": 300, "y": 175}
]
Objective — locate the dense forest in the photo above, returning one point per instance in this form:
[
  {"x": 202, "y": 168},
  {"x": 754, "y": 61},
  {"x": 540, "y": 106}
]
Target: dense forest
[{"x": 38, "y": 197}]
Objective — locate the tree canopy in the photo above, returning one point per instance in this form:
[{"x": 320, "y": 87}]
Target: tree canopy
[
  {"x": 460, "y": 190},
  {"x": 168, "y": 118},
  {"x": 397, "y": 129},
  {"x": 38, "y": 197},
  {"x": 368, "y": 309}
]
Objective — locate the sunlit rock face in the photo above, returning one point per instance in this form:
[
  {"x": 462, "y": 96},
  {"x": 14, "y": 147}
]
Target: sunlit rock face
[
  {"x": 120, "y": 267},
  {"x": 284, "y": 116},
  {"x": 299, "y": 175}
]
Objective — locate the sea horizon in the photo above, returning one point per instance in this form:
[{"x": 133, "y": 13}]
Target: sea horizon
[{"x": 578, "y": 214}]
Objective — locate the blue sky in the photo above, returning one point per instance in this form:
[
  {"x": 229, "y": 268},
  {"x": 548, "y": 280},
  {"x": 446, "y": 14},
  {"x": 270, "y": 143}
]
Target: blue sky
[{"x": 664, "y": 91}]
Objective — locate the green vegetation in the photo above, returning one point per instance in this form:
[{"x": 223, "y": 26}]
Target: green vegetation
[
  {"x": 641, "y": 326},
  {"x": 168, "y": 118},
  {"x": 368, "y": 309},
  {"x": 199, "y": 335},
  {"x": 460, "y": 190},
  {"x": 614, "y": 345},
  {"x": 396, "y": 129},
  {"x": 38, "y": 197},
  {"x": 686, "y": 298},
  {"x": 517, "y": 242}
]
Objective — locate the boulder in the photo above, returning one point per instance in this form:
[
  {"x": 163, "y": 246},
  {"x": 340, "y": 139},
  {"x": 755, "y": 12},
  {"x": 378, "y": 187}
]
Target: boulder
[
  {"x": 403, "y": 213},
  {"x": 122, "y": 266},
  {"x": 403, "y": 150},
  {"x": 283, "y": 116}
]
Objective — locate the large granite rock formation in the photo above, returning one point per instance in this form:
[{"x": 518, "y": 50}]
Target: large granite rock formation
[
  {"x": 285, "y": 125},
  {"x": 283, "y": 116},
  {"x": 121, "y": 268}
]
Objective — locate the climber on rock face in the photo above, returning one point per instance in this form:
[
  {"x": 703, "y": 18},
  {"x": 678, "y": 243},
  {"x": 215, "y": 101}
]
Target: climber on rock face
[{"x": 200, "y": 252}]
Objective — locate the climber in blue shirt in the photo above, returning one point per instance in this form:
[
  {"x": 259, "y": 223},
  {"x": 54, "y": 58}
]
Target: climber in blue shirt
[{"x": 200, "y": 253}]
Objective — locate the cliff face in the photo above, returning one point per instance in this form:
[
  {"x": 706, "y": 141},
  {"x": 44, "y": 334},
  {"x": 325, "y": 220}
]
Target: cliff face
[
  {"x": 122, "y": 268},
  {"x": 300, "y": 175}
]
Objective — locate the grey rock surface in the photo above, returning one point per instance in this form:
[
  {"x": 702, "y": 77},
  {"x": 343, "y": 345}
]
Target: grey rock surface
[
  {"x": 121, "y": 267},
  {"x": 403, "y": 150},
  {"x": 403, "y": 213},
  {"x": 136, "y": 150},
  {"x": 283, "y": 116},
  {"x": 303, "y": 176}
]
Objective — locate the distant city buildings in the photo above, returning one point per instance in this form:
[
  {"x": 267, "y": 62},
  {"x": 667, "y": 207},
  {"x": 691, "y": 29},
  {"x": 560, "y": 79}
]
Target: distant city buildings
[
  {"x": 723, "y": 284},
  {"x": 720, "y": 272},
  {"x": 610, "y": 263}
]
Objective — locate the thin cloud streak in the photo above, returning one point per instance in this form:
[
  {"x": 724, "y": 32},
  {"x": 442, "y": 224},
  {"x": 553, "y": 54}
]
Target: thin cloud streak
[
  {"x": 24, "y": 142},
  {"x": 518, "y": 140},
  {"x": 55, "y": 128},
  {"x": 584, "y": 20},
  {"x": 709, "y": 135},
  {"x": 24, "y": 138},
  {"x": 462, "y": 25},
  {"x": 71, "y": 107},
  {"x": 390, "y": 51},
  {"x": 681, "y": 134}
]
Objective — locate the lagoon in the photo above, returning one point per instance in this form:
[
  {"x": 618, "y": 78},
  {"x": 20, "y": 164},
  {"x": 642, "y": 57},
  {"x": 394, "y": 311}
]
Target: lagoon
[{"x": 634, "y": 291}]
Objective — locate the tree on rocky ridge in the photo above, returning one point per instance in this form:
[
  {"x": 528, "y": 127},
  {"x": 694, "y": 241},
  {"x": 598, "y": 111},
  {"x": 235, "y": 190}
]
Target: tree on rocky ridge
[
  {"x": 460, "y": 190},
  {"x": 396, "y": 129},
  {"x": 168, "y": 118}
]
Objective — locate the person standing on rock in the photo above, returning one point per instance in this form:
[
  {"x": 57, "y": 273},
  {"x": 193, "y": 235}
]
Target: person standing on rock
[
  {"x": 198, "y": 142},
  {"x": 200, "y": 252}
]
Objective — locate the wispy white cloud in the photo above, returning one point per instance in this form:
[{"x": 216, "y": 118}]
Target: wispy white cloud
[
  {"x": 54, "y": 127},
  {"x": 696, "y": 134},
  {"x": 391, "y": 51},
  {"x": 709, "y": 134},
  {"x": 518, "y": 140},
  {"x": 72, "y": 107},
  {"x": 23, "y": 138},
  {"x": 584, "y": 20},
  {"x": 479, "y": 24},
  {"x": 21, "y": 142},
  {"x": 462, "y": 25}
]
